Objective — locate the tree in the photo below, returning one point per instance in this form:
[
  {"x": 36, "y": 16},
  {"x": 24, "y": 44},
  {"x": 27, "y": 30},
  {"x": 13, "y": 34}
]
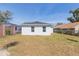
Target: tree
[
  {"x": 5, "y": 16},
  {"x": 59, "y": 24},
  {"x": 75, "y": 15}
]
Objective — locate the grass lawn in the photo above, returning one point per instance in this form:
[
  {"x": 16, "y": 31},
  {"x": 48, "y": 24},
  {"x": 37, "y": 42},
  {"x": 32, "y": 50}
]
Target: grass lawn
[{"x": 56, "y": 44}]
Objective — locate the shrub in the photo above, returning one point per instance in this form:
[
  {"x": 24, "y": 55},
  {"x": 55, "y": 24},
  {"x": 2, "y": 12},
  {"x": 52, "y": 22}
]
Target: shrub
[
  {"x": 66, "y": 31},
  {"x": 8, "y": 32}
]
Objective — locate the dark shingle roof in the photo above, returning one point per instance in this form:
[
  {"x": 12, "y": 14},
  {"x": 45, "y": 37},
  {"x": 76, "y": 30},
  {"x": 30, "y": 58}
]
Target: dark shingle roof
[
  {"x": 36, "y": 23},
  {"x": 10, "y": 24}
]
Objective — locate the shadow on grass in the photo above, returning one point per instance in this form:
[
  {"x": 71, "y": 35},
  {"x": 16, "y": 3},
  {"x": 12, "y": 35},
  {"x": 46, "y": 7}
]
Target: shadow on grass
[
  {"x": 72, "y": 40},
  {"x": 10, "y": 45}
]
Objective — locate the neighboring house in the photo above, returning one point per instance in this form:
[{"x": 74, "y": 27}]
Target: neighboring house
[
  {"x": 8, "y": 29},
  {"x": 15, "y": 28},
  {"x": 70, "y": 27},
  {"x": 36, "y": 28},
  {"x": 2, "y": 31}
]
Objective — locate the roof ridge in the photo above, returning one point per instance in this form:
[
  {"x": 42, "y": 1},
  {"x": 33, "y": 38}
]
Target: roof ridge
[{"x": 35, "y": 22}]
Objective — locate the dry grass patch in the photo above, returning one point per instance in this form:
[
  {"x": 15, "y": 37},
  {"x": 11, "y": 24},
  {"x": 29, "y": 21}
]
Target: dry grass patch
[{"x": 56, "y": 44}]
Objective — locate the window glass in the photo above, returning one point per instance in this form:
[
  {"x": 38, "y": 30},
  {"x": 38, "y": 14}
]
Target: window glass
[
  {"x": 32, "y": 29},
  {"x": 44, "y": 29}
]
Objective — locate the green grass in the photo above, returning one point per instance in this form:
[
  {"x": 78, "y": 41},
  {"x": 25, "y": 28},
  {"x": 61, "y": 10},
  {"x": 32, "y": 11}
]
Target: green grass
[{"x": 56, "y": 44}]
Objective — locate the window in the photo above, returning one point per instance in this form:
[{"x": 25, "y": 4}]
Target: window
[
  {"x": 44, "y": 29},
  {"x": 15, "y": 28},
  {"x": 32, "y": 29}
]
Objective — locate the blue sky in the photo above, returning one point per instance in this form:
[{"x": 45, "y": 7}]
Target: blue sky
[{"x": 51, "y": 13}]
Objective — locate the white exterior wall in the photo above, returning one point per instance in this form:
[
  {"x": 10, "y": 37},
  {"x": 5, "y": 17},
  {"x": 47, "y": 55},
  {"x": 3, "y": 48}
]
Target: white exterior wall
[
  {"x": 77, "y": 29},
  {"x": 37, "y": 31}
]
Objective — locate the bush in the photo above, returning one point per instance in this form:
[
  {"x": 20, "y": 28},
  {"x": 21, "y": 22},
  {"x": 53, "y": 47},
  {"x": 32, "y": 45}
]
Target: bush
[
  {"x": 69, "y": 32},
  {"x": 8, "y": 32}
]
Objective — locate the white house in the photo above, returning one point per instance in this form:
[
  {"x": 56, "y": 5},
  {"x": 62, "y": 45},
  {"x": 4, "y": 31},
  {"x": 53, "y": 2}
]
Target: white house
[{"x": 36, "y": 28}]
